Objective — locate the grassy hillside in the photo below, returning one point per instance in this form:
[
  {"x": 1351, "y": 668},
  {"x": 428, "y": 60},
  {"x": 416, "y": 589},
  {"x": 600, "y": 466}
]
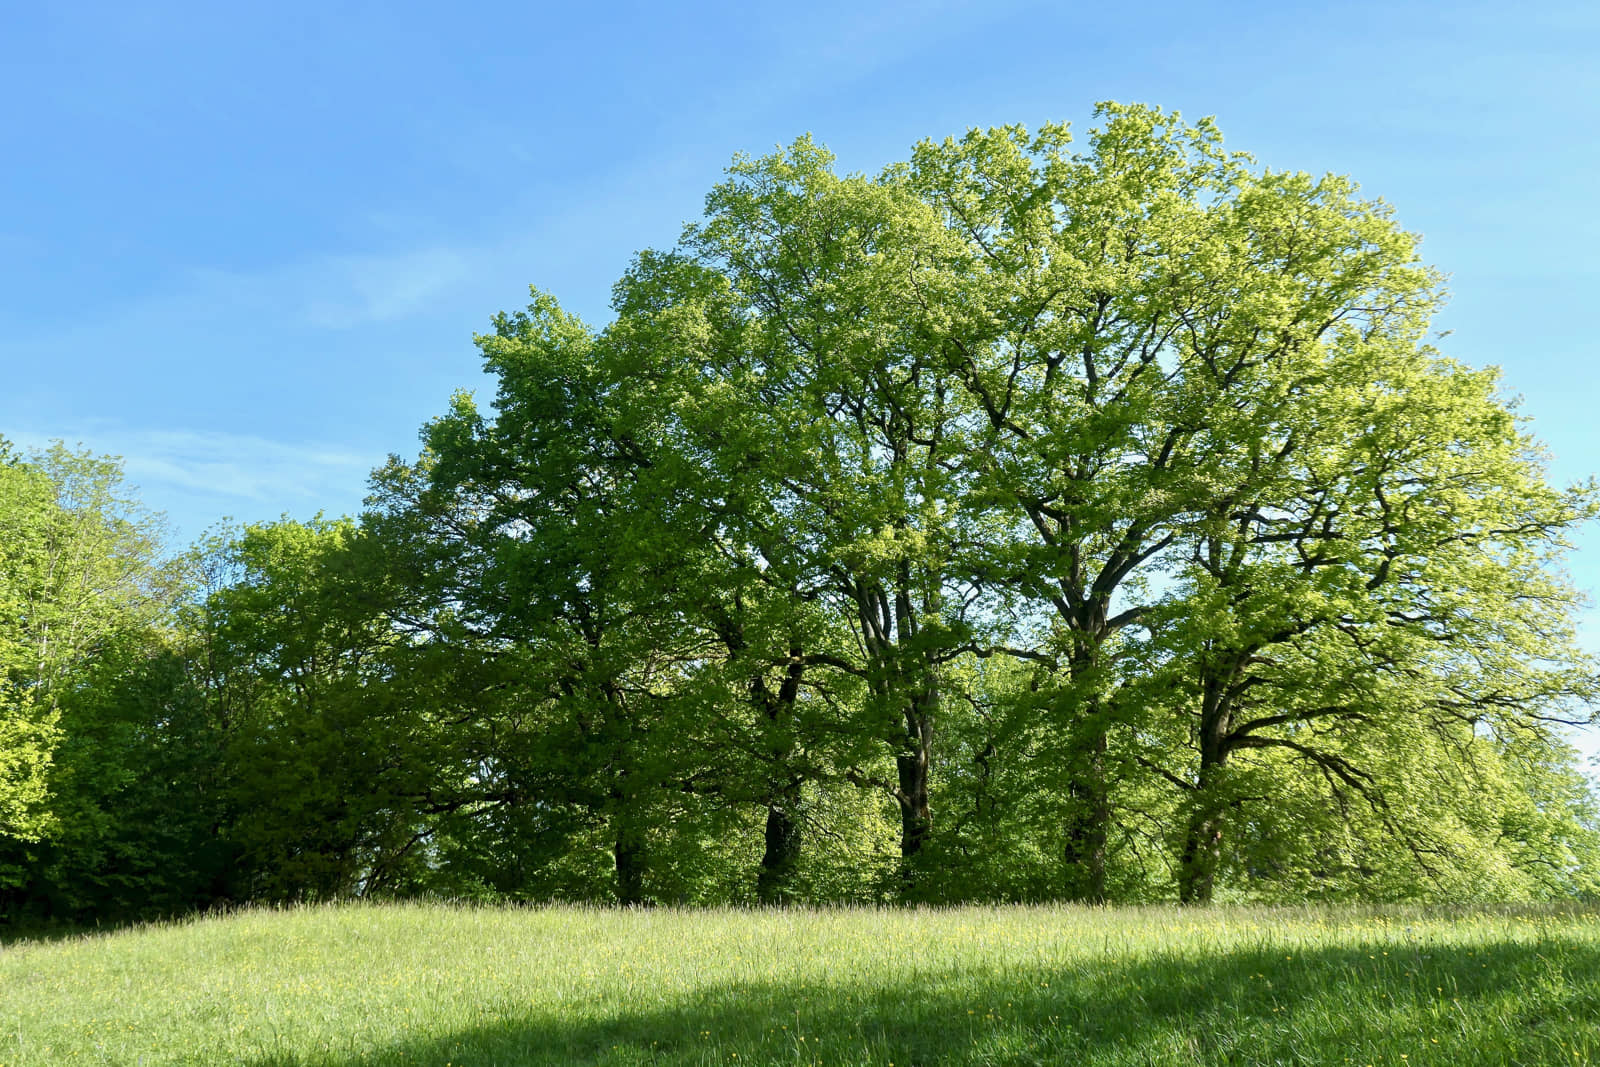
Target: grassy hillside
[{"x": 441, "y": 985}]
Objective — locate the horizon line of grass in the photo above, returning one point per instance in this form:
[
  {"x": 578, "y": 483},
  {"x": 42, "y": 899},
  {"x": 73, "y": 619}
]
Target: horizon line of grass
[{"x": 465, "y": 983}]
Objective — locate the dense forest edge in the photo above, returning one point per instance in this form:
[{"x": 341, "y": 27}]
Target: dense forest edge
[{"x": 1019, "y": 524}]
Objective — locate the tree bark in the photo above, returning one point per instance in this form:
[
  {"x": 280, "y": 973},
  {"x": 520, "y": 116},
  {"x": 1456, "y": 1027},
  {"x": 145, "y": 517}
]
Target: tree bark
[
  {"x": 775, "y": 882},
  {"x": 628, "y": 853},
  {"x": 1088, "y": 827},
  {"x": 1202, "y": 846},
  {"x": 916, "y": 815},
  {"x": 782, "y": 842},
  {"x": 1202, "y": 854}
]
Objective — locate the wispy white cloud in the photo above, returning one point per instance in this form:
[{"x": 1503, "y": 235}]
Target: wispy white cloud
[
  {"x": 226, "y": 467},
  {"x": 338, "y": 291}
]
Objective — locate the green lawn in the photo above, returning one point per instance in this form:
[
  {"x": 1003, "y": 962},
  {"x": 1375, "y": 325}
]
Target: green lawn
[{"x": 443, "y": 985}]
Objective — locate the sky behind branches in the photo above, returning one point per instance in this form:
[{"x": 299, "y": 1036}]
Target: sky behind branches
[{"x": 247, "y": 249}]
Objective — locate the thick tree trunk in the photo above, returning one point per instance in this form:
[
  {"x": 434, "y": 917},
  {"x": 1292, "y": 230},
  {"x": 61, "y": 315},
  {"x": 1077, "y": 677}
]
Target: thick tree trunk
[
  {"x": 775, "y": 882},
  {"x": 916, "y": 816},
  {"x": 1202, "y": 854},
  {"x": 914, "y": 763},
  {"x": 1088, "y": 828},
  {"x": 781, "y": 854},
  {"x": 1202, "y": 845},
  {"x": 628, "y": 852}
]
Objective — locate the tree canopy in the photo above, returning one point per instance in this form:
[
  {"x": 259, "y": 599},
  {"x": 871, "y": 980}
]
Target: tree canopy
[{"x": 1023, "y": 522}]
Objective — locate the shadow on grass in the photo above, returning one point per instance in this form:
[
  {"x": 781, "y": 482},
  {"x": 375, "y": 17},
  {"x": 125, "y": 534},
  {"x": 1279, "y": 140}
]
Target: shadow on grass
[
  {"x": 45, "y": 932},
  {"x": 1498, "y": 1003}
]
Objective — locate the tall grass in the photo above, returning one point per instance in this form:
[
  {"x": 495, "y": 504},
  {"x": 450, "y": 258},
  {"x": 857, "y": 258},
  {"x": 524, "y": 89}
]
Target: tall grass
[{"x": 415, "y": 984}]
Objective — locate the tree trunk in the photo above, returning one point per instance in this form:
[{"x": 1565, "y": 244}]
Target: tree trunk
[
  {"x": 781, "y": 855},
  {"x": 1088, "y": 827},
  {"x": 1202, "y": 845},
  {"x": 915, "y": 759},
  {"x": 913, "y": 764},
  {"x": 775, "y": 882},
  {"x": 1202, "y": 854},
  {"x": 628, "y": 852}
]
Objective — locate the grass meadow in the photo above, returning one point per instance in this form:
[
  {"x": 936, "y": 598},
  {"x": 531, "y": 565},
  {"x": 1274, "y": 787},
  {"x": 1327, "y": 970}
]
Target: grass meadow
[{"x": 445, "y": 985}]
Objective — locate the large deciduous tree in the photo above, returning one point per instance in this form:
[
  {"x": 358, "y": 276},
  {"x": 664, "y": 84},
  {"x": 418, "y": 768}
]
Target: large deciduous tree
[
  {"x": 1168, "y": 422},
  {"x": 856, "y": 425}
]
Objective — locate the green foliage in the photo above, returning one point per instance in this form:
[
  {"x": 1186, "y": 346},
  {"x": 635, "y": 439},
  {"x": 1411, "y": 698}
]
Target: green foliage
[
  {"x": 135, "y": 794},
  {"x": 337, "y": 760},
  {"x": 84, "y": 597},
  {"x": 27, "y": 721},
  {"x": 1027, "y": 522}
]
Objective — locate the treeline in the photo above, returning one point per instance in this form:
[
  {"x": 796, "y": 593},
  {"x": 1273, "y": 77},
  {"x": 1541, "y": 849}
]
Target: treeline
[{"x": 1018, "y": 524}]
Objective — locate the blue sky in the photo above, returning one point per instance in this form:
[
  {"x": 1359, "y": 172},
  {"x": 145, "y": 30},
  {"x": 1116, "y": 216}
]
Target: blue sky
[{"x": 247, "y": 248}]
